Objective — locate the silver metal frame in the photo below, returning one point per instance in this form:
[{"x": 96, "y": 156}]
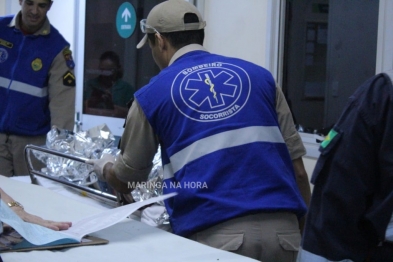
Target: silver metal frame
[{"x": 88, "y": 190}]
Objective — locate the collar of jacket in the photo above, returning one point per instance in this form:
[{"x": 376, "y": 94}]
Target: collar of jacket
[{"x": 44, "y": 30}]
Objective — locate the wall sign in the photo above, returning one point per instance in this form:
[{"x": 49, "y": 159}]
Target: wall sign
[{"x": 126, "y": 20}]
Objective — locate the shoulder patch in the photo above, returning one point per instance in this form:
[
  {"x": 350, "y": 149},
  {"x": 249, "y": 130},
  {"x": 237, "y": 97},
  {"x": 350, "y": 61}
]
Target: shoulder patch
[
  {"x": 6, "y": 43},
  {"x": 331, "y": 141},
  {"x": 328, "y": 138},
  {"x": 69, "y": 79},
  {"x": 67, "y": 53}
]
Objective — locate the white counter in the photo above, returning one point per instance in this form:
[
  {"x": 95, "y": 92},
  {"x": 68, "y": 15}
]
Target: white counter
[{"x": 129, "y": 240}]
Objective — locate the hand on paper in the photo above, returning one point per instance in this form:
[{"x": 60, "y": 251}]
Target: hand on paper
[
  {"x": 27, "y": 217},
  {"x": 54, "y": 225}
]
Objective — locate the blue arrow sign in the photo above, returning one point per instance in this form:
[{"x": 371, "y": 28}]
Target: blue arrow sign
[{"x": 126, "y": 20}]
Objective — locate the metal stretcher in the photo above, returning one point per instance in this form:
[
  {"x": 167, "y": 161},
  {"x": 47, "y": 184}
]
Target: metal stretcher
[{"x": 113, "y": 200}]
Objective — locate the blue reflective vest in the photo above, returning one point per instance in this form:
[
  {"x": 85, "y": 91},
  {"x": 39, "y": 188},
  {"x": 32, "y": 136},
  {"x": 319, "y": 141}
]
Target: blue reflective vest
[
  {"x": 25, "y": 62},
  {"x": 221, "y": 146}
]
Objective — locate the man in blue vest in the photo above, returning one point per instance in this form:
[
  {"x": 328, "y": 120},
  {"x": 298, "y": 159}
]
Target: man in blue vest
[
  {"x": 224, "y": 131},
  {"x": 351, "y": 211},
  {"x": 37, "y": 83}
]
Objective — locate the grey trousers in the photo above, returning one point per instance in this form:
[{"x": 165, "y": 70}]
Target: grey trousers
[
  {"x": 12, "y": 153},
  {"x": 267, "y": 237}
]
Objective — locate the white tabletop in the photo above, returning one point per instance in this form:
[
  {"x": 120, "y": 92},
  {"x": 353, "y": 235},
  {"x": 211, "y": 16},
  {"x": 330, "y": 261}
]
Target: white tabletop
[
  {"x": 129, "y": 240},
  {"x": 68, "y": 192}
]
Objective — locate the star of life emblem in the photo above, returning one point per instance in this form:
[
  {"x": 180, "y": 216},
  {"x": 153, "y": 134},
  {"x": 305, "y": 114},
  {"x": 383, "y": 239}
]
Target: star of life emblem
[{"x": 211, "y": 92}]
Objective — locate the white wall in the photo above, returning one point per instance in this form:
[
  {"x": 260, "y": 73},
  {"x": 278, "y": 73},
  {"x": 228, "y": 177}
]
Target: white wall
[
  {"x": 237, "y": 28},
  {"x": 309, "y": 164},
  {"x": 62, "y": 15},
  {"x": 11, "y": 6},
  {"x": 2, "y": 7}
]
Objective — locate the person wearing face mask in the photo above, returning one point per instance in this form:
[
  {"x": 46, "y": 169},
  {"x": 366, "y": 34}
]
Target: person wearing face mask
[
  {"x": 108, "y": 91},
  {"x": 37, "y": 83}
]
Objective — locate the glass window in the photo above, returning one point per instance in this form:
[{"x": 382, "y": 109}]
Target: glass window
[
  {"x": 330, "y": 48},
  {"x": 113, "y": 68}
]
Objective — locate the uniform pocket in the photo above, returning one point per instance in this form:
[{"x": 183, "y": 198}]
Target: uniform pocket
[
  {"x": 228, "y": 242},
  {"x": 289, "y": 239}
]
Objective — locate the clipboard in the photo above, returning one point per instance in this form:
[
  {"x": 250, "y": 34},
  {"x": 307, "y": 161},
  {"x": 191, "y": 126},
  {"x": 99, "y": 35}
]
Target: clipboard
[{"x": 11, "y": 241}]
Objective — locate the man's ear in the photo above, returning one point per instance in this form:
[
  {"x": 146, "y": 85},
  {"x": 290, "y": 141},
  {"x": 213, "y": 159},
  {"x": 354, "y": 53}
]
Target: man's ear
[{"x": 161, "y": 42}]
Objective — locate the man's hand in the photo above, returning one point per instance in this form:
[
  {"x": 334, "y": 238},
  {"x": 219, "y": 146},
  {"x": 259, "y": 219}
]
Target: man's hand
[
  {"x": 99, "y": 165},
  {"x": 104, "y": 169}
]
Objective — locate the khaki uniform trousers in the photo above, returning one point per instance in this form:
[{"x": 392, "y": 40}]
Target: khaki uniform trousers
[
  {"x": 12, "y": 153},
  {"x": 268, "y": 237}
]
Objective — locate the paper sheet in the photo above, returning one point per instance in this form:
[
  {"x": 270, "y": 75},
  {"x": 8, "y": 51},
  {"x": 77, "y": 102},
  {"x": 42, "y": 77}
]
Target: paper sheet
[{"x": 39, "y": 235}]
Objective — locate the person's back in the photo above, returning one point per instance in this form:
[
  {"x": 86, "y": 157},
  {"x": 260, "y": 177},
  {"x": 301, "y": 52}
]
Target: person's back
[{"x": 212, "y": 113}]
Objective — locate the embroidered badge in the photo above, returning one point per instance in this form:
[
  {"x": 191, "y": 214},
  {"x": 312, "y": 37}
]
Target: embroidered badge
[
  {"x": 36, "y": 64},
  {"x": 68, "y": 58},
  {"x": 211, "y": 92},
  {"x": 328, "y": 138},
  {"x": 3, "y": 55},
  {"x": 6, "y": 43},
  {"x": 69, "y": 79}
]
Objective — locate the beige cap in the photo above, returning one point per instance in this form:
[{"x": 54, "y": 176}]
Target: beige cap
[{"x": 169, "y": 17}]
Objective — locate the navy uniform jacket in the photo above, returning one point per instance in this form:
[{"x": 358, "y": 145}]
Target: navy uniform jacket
[{"x": 352, "y": 200}]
